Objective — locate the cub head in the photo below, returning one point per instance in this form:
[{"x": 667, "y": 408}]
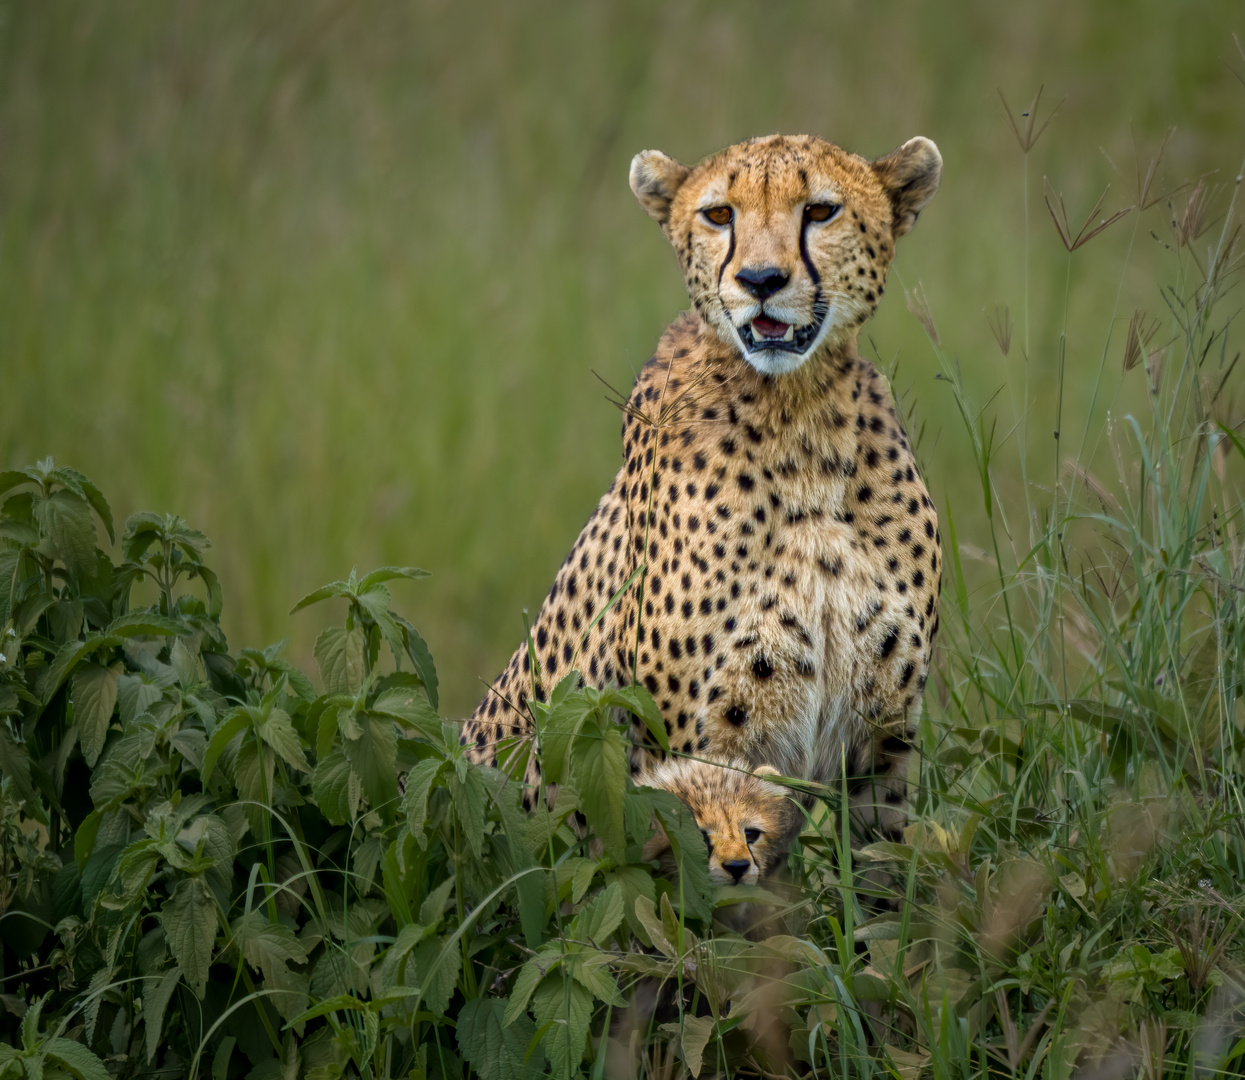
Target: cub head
[
  {"x": 747, "y": 822},
  {"x": 784, "y": 241}
]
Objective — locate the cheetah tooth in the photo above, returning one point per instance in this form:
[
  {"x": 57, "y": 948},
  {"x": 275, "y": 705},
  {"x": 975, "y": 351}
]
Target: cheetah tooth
[{"x": 790, "y": 334}]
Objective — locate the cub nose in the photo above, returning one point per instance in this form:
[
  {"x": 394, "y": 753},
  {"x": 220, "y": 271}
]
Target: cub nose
[
  {"x": 762, "y": 281},
  {"x": 736, "y": 868}
]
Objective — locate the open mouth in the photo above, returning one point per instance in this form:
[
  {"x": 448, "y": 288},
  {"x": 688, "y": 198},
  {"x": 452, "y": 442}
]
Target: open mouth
[{"x": 766, "y": 333}]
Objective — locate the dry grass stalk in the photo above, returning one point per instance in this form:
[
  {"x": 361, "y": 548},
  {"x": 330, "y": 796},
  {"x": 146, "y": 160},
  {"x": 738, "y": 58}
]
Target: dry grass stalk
[
  {"x": 918, "y": 304},
  {"x": 1000, "y": 323},
  {"x": 1152, "y": 1047},
  {"x": 1144, "y": 190},
  {"x": 1022, "y": 126},
  {"x": 1018, "y": 1049},
  {"x": 1203, "y": 938},
  {"x": 1141, "y": 331},
  {"x": 1088, "y": 230},
  {"x": 1092, "y": 484},
  {"x": 1193, "y": 220}
]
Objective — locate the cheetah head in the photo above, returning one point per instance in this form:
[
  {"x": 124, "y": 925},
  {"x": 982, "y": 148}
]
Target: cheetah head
[
  {"x": 747, "y": 822},
  {"x": 785, "y": 241}
]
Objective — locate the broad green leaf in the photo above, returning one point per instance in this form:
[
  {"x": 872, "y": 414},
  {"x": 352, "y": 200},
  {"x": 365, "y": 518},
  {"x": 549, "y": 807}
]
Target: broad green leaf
[
  {"x": 697, "y": 1030},
  {"x": 409, "y": 706},
  {"x": 470, "y": 800},
  {"x": 408, "y": 937},
  {"x": 145, "y": 622},
  {"x": 235, "y": 721},
  {"x": 529, "y": 977},
  {"x": 11, "y": 478},
  {"x": 330, "y": 784},
  {"x": 373, "y": 758},
  {"x": 415, "y": 802},
  {"x": 437, "y": 965},
  {"x": 421, "y": 658},
  {"x": 253, "y": 773},
  {"x": 646, "y": 914},
  {"x": 66, "y": 519},
  {"x": 84, "y": 838},
  {"x": 156, "y": 994},
  {"x": 133, "y": 871},
  {"x": 28, "y": 611},
  {"x": 636, "y": 882},
  {"x": 210, "y": 836},
  {"x": 589, "y": 969},
  {"x": 74, "y": 479},
  {"x": 65, "y": 619},
  {"x": 277, "y": 731},
  {"x": 496, "y": 1050},
  {"x": 76, "y": 1059},
  {"x": 639, "y": 702},
  {"x": 68, "y": 656},
  {"x": 142, "y": 529},
  {"x": 432, "y": 910},
  {"x": 136, "y": 694},
  {"x": 189, "y": 920},
  {"x": 599, "y": 770},
  {"x": 688, "y": 847},
  {"x": 15, "y": 762},
  {"x": 340, "y": 654},
  {"x": 123, "y": 769},
  {"x": 600, "y": 916},
  {"x": 268, "y": 946},
  {"x": 188, "y": 665},
  {"x": 374, "y": 599},
  {"x": 366, "y": 858},
  {"x": 563, "y": 1008},
  {"x": 215, "y": 594},
  {"x": 325, "y": 592},
  {"x": 389, "y": 573}
]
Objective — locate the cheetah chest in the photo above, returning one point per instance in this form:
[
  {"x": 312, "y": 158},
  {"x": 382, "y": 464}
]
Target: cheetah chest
[{"x": 782, "y": 616}]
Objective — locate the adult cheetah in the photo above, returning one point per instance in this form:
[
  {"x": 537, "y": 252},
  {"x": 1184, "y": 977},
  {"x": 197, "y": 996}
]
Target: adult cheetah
[{"x": 776, "y": 551}]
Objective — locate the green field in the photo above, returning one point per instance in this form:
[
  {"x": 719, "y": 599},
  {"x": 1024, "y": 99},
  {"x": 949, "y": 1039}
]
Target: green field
[
  {"x": 340, "y": 284},
  {"x": 333, "y": 280}
]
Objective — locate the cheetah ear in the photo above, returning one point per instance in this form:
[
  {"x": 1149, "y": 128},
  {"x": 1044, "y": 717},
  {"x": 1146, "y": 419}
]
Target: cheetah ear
[
  {"x": 655, "y": 180},
  {"x": 910, "y": 176}
]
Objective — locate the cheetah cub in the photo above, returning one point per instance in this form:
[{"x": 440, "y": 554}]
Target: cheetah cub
[{"x": 747, "y": 822}]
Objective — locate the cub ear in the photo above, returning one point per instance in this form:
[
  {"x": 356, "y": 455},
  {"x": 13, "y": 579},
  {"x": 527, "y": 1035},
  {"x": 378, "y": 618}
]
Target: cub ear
[
  {"x": 766, "y": 770},
  {"x": 655, "y": 179},
  {"x": 910, "y": 176}
]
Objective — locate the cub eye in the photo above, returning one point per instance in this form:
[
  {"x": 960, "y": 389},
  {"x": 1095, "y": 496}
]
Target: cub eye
[
  {"x": 719, "y": 215},
  {"x": 821, "y": 211},
  {"x": 751, "y": 836}
]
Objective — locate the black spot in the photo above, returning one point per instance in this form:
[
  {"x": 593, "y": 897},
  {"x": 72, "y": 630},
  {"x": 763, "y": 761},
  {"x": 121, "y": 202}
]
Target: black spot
[
  {"x": 762, "y": 669},
  {"x": 736, "y": 715},
  {"x": 888, "y": 643}
]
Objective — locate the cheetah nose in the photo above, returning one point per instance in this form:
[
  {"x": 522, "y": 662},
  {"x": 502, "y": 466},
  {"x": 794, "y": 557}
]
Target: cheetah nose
[
  {"x": 736, "y": 868},
  {"x": 762, "y": 281}
]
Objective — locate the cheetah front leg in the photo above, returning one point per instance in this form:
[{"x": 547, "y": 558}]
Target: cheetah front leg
[{"x": 877, "y": 788}]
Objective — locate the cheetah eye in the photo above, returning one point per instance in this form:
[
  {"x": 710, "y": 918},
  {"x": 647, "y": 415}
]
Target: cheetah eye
[
  {"x": 821, "y": 211},
  {"x": 719, "y": 215},
  {"x": 751, "y": 836}
]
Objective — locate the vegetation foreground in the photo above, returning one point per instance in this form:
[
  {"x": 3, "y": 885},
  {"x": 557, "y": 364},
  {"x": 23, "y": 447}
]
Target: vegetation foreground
[{"x": 208, "y": 866}]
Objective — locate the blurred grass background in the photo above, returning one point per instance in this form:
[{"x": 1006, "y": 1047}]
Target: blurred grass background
[{"x": 331, "y": 279}]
